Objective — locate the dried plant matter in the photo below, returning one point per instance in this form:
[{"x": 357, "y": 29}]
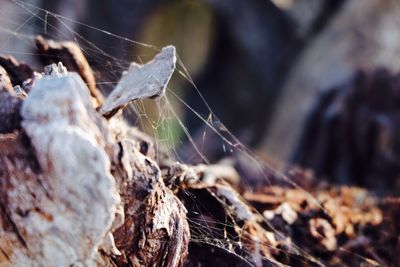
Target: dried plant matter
[
  {"x": 142, "y": 81},
  {"x": 79, "y": 190}
]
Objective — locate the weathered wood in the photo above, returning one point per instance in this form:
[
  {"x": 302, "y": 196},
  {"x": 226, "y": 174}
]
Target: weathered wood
[
  {"x": 9, "y": 111},
  {"x": 79, "y": 190},
  {"x": 5, "y": 81},
  {"x": 351, "y": 133},
  {"x": 17, "y": 71},
  {"x": 142, "y": 81},
  {"x": 63, "y": 206},
  {"x": 155, "y": 231},
  {"x": 70, "y": 54},
  {"x": 72, "y": 184},
  {"x": 10, "y": 104},
  {"x": 360, "y": 35}
]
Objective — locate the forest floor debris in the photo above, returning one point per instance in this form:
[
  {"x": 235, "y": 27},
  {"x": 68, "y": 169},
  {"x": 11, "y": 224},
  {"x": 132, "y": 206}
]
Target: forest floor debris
[{"x": 79, "y": 188}]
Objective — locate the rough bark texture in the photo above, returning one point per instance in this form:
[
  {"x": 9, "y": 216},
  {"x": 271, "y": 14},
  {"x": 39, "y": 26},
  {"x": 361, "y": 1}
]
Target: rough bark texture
[
  {"x": 77, "y": 189},
  {"x": 10, "y": 118},
  {"x": 5, "y": 81},
  {"x": 67, "y": 208},
  {"x": 68, "y": 181},
  {"x": 73, "y": 59},
  {"x": 18, "y": 72}
]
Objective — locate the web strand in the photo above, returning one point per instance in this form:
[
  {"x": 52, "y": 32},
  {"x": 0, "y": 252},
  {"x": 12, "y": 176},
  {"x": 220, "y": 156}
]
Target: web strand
[{"x": 166, "y": 112}]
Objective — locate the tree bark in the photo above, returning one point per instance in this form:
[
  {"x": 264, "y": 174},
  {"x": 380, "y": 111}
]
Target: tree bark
[{"x": 77, "y": 189}]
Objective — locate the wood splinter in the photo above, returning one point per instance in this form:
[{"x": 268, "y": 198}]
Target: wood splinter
[{"x": 142, "y": 81}]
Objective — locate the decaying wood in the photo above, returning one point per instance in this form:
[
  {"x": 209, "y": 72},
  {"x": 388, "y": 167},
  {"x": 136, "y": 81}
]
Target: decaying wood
[
  {"x": 79, "y": 190},
  {"x": 225, "y": 236},
  {"x": 66, "y": 194},
  {"x": 155, "y": 231},
  {"x": 17, "y": 71},
  {"x": 344, "y": 215},
  {"x": 357, "y": 37},
  {"x": 10, "y": 104},
  {"x": 66, "y": 208},
  {"x": 281, "y": 225},
  {"x": 73, "y": 59},
  {"x": 351, "y": 133},
  {"x": 142, "y": 81},
  {"x": 5, "y": 81}
]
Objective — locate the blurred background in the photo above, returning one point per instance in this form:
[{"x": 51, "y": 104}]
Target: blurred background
[{"x": 312, "y": 83}]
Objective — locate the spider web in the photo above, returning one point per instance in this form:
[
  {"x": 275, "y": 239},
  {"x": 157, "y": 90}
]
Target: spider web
[{"x": 167, "y": 117}]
